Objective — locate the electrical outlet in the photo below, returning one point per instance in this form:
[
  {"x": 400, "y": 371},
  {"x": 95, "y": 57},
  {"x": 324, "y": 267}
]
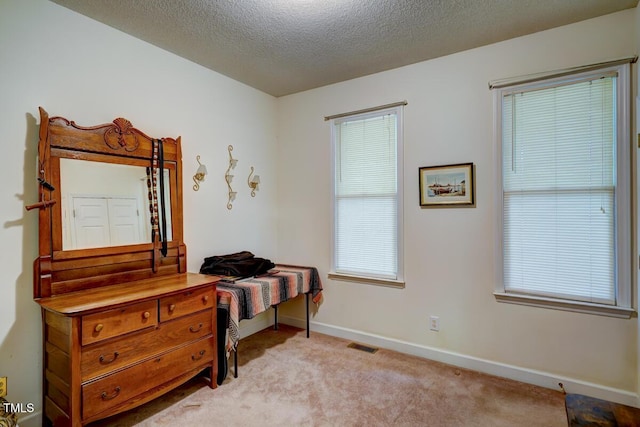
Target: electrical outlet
[
  {"x": 434, "y": 323},
  {"x": 3, "y": 386}
]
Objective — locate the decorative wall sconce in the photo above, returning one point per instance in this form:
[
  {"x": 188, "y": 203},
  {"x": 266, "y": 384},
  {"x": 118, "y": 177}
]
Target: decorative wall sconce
[
  {"x": 228, "y": 177},
  {"x": 199, "y": 176},
  {"x": 253, "y": 182}
]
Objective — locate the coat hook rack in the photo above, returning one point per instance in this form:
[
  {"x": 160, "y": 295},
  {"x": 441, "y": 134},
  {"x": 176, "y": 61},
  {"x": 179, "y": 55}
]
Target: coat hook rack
[{"x": 41, "y": 205}]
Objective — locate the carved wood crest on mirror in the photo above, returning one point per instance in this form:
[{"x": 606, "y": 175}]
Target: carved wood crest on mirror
[{"x": 110, "y": 206}]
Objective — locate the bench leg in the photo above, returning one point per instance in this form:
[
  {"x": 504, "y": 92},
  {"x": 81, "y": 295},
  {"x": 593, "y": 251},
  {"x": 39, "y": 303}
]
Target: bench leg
[
  {"x": 235, "y": 362},
  {"x": 275, "y": 323}
]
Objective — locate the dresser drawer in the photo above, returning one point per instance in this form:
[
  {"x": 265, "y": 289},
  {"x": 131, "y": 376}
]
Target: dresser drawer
[
  {"x": 103, "y": 357},
  {"x": 119, "y": 321},
  {"x": 118, "y": 388},
  {"x": 185, "y": 303}
]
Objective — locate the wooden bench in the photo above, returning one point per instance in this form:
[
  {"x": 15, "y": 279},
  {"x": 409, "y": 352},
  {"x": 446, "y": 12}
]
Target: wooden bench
[{"x": 248, "y": 298}]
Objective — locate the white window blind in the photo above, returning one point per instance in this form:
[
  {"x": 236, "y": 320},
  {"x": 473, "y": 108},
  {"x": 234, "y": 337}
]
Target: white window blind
[
  {"x": 366, "y": 195},
  {"x": 560, "y": 190}
]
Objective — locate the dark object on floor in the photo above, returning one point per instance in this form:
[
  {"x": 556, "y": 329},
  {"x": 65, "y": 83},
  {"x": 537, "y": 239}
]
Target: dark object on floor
[
  {"x": 240, "y": 264},
  {"x": 588, "y": 411},
  {"x": 223, "y": 324}
]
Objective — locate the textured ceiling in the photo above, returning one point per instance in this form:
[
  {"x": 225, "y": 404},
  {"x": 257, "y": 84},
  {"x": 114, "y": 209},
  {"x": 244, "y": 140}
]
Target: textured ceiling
[{"x": 287, "y": 46}]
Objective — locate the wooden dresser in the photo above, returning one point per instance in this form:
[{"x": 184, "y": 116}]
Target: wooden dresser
[
  {"x": 113, "y": 348},
  {"x": 123, "y": 322}
]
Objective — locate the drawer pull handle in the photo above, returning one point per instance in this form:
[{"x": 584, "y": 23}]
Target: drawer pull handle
[
  {"x": 105, "y": 396},
  {"x": 146, "y": 314},
  {"x": 172, "y": 307},
  {"x": 98, "y": 327},
  {"x": 194, "y": 330},
  {"x": 199, "y": 356},
  {"x": 106, "y": 362},
  {"x": 205, "y": 299}
]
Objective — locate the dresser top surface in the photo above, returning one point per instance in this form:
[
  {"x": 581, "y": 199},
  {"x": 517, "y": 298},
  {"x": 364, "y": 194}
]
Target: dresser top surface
[{"x": 81, "y": 302}]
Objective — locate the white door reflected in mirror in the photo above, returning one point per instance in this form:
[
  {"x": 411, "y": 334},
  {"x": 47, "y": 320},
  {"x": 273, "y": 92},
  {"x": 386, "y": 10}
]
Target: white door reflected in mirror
[{"x": 106, "y": 204}]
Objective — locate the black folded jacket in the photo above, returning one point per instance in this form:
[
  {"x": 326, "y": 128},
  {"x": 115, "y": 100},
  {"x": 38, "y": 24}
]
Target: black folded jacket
[{"x": 241, "y": 264}]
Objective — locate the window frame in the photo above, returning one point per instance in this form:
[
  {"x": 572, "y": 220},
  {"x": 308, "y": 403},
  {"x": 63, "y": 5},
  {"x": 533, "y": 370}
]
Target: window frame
[
  {"x": 398, "y": 282},
  {"x": 624, "y": 163}
]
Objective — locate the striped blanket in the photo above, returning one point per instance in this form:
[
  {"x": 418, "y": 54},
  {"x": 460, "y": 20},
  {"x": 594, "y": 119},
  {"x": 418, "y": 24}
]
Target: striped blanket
[{"x": 248, "y": 298}]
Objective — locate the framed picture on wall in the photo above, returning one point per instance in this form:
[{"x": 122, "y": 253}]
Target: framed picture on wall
[{"x": 447, "y": 185}]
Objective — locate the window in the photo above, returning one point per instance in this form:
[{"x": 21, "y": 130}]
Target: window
[
  {"x": 564, "y": 182},
  {"x": 368, "y": 197}
]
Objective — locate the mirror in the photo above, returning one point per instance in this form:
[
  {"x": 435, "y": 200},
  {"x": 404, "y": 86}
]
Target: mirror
[
  {"x": 106, "y": 204},
  {"x": 94, "y": 206}
]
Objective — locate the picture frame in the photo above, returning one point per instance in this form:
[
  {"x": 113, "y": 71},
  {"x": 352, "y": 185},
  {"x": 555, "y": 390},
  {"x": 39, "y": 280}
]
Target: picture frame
[{"x": 447, "y": 185}]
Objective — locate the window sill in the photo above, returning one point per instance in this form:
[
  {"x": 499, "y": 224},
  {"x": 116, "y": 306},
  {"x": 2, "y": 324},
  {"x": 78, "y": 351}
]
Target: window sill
[
  {"x": 558, "y": 304},
  {"x": 367, "y": 280}
]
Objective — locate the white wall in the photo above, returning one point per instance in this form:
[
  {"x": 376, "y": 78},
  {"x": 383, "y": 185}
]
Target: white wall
[
  {"x": 90, "y": 73},
  {"x": 449, "y": 264}
]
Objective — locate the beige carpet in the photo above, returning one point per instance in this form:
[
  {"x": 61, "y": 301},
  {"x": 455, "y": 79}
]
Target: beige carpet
[{"x": 286, "y": 379}]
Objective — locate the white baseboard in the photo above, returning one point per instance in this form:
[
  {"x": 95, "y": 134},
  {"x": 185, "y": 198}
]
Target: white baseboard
[
  {"x": 530, "y": 376},
  {"x": 31, "y": 420},
  {"x": 258, "y": 323}
]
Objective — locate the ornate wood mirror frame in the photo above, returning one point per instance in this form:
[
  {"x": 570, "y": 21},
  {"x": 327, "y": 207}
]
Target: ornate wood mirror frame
[{"x": 58, "y": 270}]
